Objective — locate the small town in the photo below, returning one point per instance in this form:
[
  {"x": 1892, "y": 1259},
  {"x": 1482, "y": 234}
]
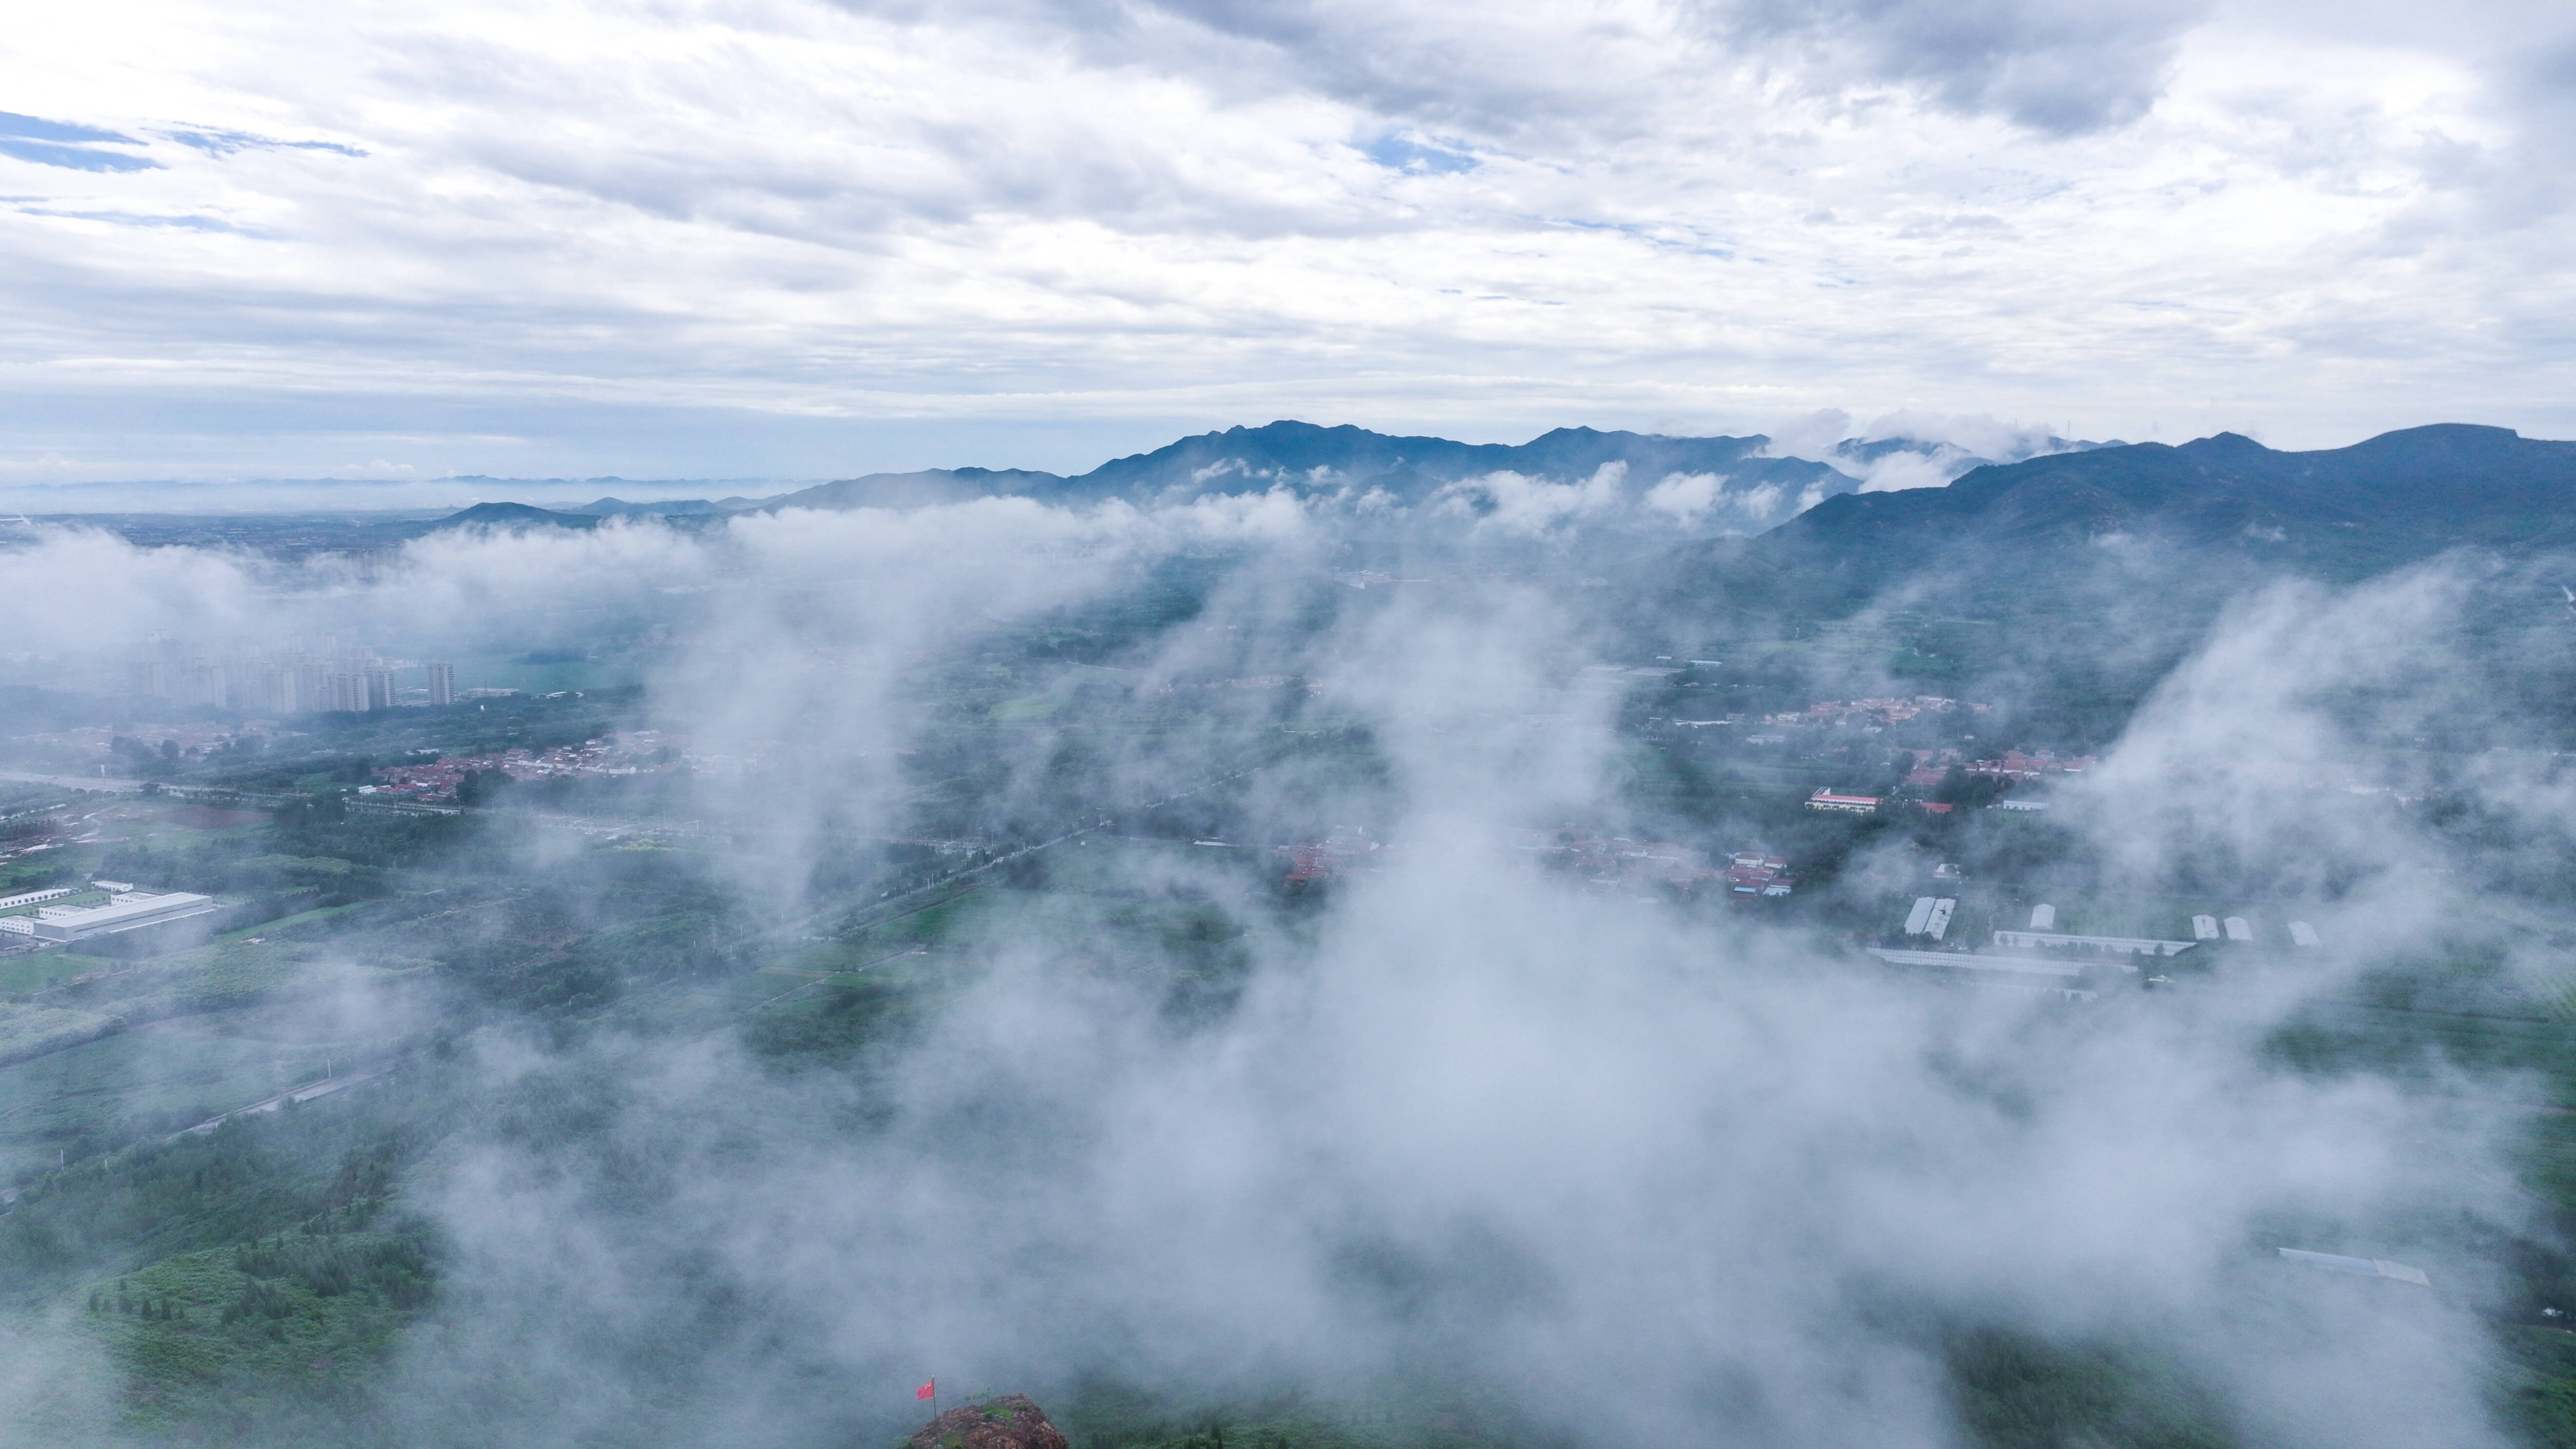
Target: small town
[{"x": 438, "y": 781}]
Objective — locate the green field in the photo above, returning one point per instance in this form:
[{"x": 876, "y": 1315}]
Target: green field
[
  {"x": 155, "y": 1078},
  {"x": 35, "y": 970}
]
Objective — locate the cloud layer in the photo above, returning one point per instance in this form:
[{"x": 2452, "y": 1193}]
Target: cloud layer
[
  {"x": 799, "y": 239},
  {"x": 1469, "y": 1125}
]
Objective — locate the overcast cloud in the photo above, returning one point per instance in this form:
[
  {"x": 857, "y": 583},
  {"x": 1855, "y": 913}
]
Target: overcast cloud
[{"x": 783, "y": 238}]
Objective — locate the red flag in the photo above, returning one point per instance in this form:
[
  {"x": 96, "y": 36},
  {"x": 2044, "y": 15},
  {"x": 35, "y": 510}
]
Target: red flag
[{"x": 929, "y": 1390}]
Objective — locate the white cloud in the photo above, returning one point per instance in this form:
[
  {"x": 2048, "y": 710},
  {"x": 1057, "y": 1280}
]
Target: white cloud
[
  {"x": 1909, "y": 448},
  {"x": 1466, "y": 1113},
  {"x": 890, "y": 227},
  {"x": 1685, "y": 495},
  {"x": 1533, "y": 507}
]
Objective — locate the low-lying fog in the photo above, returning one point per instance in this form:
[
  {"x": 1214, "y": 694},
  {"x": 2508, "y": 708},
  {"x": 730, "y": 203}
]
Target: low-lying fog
[{"x": 1472, "y": 1150}]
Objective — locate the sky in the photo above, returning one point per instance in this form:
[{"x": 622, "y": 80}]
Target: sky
[{"x": 787, "y": 239}]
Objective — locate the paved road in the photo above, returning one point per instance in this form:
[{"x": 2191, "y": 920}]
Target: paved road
[
  {"x": 75, "y": 782},
  {"x": 997, "y": 862},
  {"x": 305, "y": 1093}
]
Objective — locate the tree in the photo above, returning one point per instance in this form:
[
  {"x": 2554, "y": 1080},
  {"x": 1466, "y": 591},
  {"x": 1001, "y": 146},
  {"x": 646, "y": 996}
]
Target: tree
[{"x": 482, "y": 787}]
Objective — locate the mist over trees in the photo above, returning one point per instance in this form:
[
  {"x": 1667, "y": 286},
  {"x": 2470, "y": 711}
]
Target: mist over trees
[{"x": 1237, "y": 968}]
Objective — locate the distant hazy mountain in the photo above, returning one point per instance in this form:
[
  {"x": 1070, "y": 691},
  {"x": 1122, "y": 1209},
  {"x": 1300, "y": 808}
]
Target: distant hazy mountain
[
  {"x": 1722, "y": 485},
  {"x": 1884, "y": 464},
  {"x": 2072, "y": 583},
  {"x": 2340, "y": 511},
  {"x": 1311, "y": 458},
  {"x": 2396, "y": 497},
  {"x": 497, "y": 515},
  {"x": 914, "y": 490},
  {"x": 2170, "y": 531},
  {"x": 668, "y": 508},
  {"x": 687, "y": 514}
]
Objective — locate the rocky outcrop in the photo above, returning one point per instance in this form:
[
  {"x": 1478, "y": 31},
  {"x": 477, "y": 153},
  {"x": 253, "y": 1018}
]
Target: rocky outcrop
[{"x": 1013, "y": 1421}]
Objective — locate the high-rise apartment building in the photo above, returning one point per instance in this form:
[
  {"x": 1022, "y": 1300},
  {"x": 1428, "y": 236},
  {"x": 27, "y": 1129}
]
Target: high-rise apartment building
[
  {"x": 303, "y": 685},
  {"x": 295, "y": 676}
]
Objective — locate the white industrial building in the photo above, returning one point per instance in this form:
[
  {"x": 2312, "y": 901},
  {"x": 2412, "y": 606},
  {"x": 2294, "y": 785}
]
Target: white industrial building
[
  {"x": 121, "y": 913},
  {"x": 1973, "y": 961},
  {"x": 2013, "y": 972},
  {"x": 1930, "y": 916},
  {"x": 1849, "y": 804},
  {"x": 2115, "y": 945}
]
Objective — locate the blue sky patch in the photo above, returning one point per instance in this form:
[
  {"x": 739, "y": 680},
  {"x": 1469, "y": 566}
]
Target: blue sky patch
[
  {"x": 129, "y": 218},
  {"x": 59, "y": 143},
  {"x": 1403, "y": 153},
  {"x": 78, "y": 158},
  {"x": 224, "y": 143},
  {"x": 37, "y": 128}
]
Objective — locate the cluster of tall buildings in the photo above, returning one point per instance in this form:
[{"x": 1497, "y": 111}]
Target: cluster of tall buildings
[{"x": 294, "y": 676}]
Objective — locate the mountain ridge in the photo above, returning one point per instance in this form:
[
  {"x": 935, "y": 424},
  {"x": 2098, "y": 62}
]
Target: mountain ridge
[
  {"x": 2394, "y": 496},
  {"x": 1730, "y": 483},
  {"x": 2410, "y": 492},
  {"x": 504, "y": 515}
]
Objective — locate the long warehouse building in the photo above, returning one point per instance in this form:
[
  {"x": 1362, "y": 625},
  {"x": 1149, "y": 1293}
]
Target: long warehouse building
[
  {"x": 121, "y": 913},
  {"x": 2118, "y": 945}
]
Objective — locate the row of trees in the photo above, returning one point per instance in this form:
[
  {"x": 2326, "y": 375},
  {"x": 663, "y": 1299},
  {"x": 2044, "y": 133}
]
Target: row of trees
[{"x": 154, "y": 1309}]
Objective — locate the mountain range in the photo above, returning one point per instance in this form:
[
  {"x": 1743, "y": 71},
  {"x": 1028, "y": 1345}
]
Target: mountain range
[
  {"x": 2342, "y": 512},
  {"x": 1312, "y": 460},
  {"x": 1693, "y": 486},
  {"x": 1700, "y": 486}
]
